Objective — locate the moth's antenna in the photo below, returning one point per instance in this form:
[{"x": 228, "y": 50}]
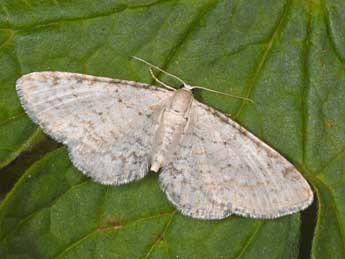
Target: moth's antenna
[
  {"x": 158, "y": 68},
  {"x": 159, "y": 81},
  {"x": 184, "y": 83},
  {"x": 217, "y": 92}
]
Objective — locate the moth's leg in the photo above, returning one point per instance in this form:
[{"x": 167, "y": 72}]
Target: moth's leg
[{"x": 159, "y": 112}]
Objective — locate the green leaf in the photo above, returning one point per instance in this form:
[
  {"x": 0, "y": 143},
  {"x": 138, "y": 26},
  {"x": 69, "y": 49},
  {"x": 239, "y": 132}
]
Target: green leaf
[
  {"x": 288, "y": 56},
  {"x": 54, "y": 211}
]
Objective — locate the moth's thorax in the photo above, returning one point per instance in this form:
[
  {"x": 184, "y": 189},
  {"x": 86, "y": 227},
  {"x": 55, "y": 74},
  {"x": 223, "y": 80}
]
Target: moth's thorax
[
  {"x": 173, "y": 123},
  {"x": 180, "y": 101}
]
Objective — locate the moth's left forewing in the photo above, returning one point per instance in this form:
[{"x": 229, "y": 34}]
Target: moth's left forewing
[{"x": 107, "y": 124}]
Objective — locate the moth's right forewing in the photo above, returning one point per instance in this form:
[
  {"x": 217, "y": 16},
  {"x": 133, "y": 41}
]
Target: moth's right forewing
[
  {"x": 106, "y": 123},
  {"x": 234, "y": 172}
]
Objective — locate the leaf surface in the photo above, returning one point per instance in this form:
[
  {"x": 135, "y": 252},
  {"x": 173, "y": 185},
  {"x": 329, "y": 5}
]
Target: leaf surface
[
  {"x": 287, "y": 56},
  {"x": 77, "y": 218}
]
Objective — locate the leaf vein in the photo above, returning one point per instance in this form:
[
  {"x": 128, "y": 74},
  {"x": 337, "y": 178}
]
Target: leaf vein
[
  {"x": 81, "y": 18},
  {"x": 193, "y": 24},
  {"x": 305, "y": 89},
  {"x": 97, "y": 230},
  {"x": 250, "y": 240},
  {"x": 30, "y": 215},
  {"x": 336, "y": 211},
  {"x": 162, "y": 234},
  {"x": 330, "y": 32},
  {"x": 260, "y": 65}
]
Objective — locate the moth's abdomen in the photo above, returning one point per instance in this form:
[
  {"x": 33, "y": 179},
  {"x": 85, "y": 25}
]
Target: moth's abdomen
[{"x": 173, "y": 122}]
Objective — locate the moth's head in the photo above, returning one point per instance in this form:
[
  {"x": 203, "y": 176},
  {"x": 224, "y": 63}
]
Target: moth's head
[{"x": 181, "y": 100}]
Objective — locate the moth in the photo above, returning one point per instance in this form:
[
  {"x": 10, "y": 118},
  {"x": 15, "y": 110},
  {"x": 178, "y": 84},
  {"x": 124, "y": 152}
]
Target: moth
[{"x": 117, "y": 130}]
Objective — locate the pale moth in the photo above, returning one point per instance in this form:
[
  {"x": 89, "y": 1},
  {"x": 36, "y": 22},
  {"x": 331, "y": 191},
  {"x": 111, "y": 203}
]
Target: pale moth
[{"x": 117, "y": 130}]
